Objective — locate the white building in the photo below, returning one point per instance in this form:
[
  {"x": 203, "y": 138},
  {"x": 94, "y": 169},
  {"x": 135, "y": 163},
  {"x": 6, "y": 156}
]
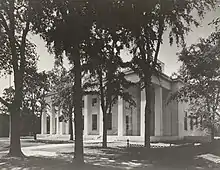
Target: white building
[{"x": 168, "y": 121}]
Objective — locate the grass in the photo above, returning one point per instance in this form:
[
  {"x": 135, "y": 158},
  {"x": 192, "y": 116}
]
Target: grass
[{"x": 183, "y": 157}]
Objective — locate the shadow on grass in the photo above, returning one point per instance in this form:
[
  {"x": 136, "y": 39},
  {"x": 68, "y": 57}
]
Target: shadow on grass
[
  {"x": 44, "y": 163},
  {"x": 96, "y": 157},
  {"x": 180, "y": 157}
]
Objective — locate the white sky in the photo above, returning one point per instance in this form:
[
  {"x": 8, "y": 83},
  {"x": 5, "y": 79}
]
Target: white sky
[{"x": 167, "y": 53}]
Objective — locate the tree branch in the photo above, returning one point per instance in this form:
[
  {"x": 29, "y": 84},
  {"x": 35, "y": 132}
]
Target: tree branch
[
  {"x": 160, "y": 30},
  {"x": 23, "y": 46},
  {"x": 12, "y": 38},
  {"x": 4, "y": 23},
  {"x": 4, "y": 102}
]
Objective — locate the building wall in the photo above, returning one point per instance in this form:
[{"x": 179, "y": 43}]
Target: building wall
[
  {"x": 93, "y": 110},
  {"x": 114, "y": 130},
  {"x": 133, "y": 112},
  {"x": 4, "y": 125}
]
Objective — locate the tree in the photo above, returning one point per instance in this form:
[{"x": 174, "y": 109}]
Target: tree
[
  {"x": 148, "y": 22},
  {"x": 105, "y": 68},
  {"x": 145, "y": 22},
  {"x": 15, "y": 23},
  {"x": 57, "y": 22},
  {"x": 200, "y": 73},
  {"x": 64, "y": 88},
  {"x": 36, "y": 86}
]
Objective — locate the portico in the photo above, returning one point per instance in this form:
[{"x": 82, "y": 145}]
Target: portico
[
  {"x": 125, "y": 120},
  {"x": 168, "y": 120}
]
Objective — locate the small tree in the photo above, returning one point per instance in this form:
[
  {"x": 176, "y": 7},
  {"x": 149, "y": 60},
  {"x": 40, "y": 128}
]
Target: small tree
[
  {"x": 64, "y": 88},
  {"x": 36, "y": 86}
]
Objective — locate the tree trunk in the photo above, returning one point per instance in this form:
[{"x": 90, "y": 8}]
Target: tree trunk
[
  {"x": 104, "y": 138},
  {"x": 15, "y": 144},
  {"x": 147, "y": 112},
  {"x": 212, "y": 133},
  {"x": 35, "y": 136},
  {"x": 213, "y": 127},
  {"x": 78, "y": 156},
  {"x": 35, "y": 127},
  {"x": 15, "y": 116},
  {"x": 71, "y": 124}
]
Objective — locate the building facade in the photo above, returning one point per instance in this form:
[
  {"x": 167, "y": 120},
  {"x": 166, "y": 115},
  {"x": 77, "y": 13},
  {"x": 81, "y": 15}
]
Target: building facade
[{"x": 169, "y": 121}]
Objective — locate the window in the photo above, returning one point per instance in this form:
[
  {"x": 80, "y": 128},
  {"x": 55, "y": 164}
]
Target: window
[
  {"x": 197, "y": 123},
  {"x": 94, "y": 101},
  {"x": 185, "y": 122},
  {"x": 109, "y": 121},
  {"x": 127, "y": 122},
  {"x": 94, "y": 122},
  {"x": 201, "y": 120}
]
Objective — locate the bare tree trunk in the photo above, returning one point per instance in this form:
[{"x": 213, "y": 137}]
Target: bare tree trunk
[
  {"x": 104, "y": 140},
  {"x": 35, "y": 127},
  {"x": 78, "y": 156},
  {"x": 213, "y": 128},
  {"x": 71, "y": 124},
  {"x": 147, "y": 112},
  {"x": 212, "y": 133},
  {"x": 15, "y": 115},
  {"x": 15, "y": 144}
]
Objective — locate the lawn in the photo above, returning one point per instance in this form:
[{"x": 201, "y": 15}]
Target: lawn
[{"x": 117, "y": 157}]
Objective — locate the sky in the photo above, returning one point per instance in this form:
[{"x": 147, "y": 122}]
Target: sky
[{"x": 167, "y": 53}]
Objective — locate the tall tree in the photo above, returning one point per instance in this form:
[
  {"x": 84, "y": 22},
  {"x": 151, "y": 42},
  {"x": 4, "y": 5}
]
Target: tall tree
[
  {"x": 200, "y": 73},
  {"x": 106, "y": 68},
  {"x": 148, "y": 22},
  {"x": 15, "y": 19},
  {"x": 58, "y": 21}
]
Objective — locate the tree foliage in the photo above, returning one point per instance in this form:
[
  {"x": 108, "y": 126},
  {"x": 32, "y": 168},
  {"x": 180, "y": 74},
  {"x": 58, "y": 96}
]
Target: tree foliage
[
  {"x": 63, "y": 88},
  {"x": 143, "y": 21},
  {"x": 148, "y": 22},
  {"x": 105, "y": 69},
  {"x": 15, "y": 23},
  {"x": 200, "y": 73}
]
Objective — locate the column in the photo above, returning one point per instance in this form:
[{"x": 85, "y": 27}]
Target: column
[
  {"x": 142, "y": 116},
  {"x": 73, "y": 124},
  {"x": 52, "y": 120},
  {"x": 62, "y": 128},
  {"x": 44, "y": 123},
  {"x": 86, "y": 110},
  {"x": 58, "y": 123},
  {"x": 120, "y": 117},
  {"x": 100, "y": 119},
  {"x": 67, "y": 127},
  {"x": 158, "y": 112}
]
